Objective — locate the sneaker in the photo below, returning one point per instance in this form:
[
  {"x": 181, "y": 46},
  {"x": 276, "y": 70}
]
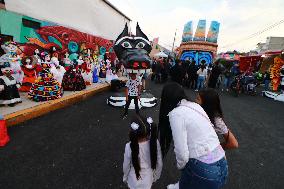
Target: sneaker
[
  {"x": 144, "y": 90},
  {"x": 173, "y": 186},
  {"x": 124, "y": 116},
  {"x": 196, "y": 90}
]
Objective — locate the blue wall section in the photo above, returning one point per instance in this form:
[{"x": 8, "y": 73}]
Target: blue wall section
[{"x": 198, "y": 56}]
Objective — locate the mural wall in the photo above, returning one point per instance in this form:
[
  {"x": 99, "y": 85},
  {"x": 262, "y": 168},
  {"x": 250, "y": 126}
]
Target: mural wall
[{"x": 31, "y": 34}]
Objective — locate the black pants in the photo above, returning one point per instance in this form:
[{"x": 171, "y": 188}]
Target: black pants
[{"x": 128, "y": 103}]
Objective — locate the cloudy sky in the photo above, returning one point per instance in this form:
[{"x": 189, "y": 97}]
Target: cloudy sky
[{"x": 242, "y": 21}]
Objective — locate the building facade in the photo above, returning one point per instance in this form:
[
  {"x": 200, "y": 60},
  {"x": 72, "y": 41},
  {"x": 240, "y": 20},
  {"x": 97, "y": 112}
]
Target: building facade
[
  {"x": 69, "y": 25},
  {"x": 271, "y": 44}
]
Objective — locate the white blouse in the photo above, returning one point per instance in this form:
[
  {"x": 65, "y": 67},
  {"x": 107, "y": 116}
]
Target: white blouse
[
  {"x": 193, "y": 133},
  {"x": 148, "y": 176},
  {"x": 220, "y": 126}
]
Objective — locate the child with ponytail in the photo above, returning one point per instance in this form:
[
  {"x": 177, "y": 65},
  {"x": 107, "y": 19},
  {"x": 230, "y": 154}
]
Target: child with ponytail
[{"x": 142, "y": 163}]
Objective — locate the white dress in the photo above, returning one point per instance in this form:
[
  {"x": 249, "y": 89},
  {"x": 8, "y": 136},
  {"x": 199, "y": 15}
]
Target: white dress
[
  {"x": 148, "y": 176},
  {"x": 58, "y": 73}
]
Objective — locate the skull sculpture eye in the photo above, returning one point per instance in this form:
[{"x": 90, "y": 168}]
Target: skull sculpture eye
[
  {"x": 140, "y": 45},
  {"x": 126, "y": 44}
]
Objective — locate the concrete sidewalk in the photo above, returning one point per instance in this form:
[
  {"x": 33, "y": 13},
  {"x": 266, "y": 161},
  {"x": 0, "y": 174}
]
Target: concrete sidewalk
[{"x": 29, "y": 109}]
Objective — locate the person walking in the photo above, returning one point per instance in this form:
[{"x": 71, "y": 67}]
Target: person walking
[
  {"x": 202, "y": 73},
  {"x": 199, "y": 155}
]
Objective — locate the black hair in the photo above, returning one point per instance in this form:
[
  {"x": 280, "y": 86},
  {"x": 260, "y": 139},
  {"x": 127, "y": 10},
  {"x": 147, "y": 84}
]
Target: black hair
[
  {"x": 202, "y": 66},
  {"x": 210, "y": 102},
  {"x": 172, "y": 94},
  {"x": 144, "y": 130}
]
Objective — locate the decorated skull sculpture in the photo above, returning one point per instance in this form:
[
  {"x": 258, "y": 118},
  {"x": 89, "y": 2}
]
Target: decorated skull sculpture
[
  {"x": 133, "y": 51},
  {"x": 9, "y": 47}
]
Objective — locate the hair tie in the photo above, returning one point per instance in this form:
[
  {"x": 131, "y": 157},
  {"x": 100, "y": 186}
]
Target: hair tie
[
  {"x": 134, "y": 126},
  {"x": 150, "y": 121}
]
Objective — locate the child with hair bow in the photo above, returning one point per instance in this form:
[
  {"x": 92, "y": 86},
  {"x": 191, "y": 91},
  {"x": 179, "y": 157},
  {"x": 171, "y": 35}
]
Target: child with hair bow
[{"x": 142, "y": 163}]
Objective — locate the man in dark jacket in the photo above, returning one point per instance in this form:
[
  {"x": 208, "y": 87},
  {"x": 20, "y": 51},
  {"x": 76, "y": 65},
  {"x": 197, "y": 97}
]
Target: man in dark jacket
[
  {"x": 216, "y": 71},
  {"x": 178, "y": 72}
]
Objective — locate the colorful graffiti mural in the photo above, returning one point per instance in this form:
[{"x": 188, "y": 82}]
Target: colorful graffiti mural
[
  {"x": 200, "y": 48},
  {"x": 32, "y": 34}
]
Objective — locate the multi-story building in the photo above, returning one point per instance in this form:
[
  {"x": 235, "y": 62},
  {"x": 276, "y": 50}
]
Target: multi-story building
[{"x": 271, "y": 44}]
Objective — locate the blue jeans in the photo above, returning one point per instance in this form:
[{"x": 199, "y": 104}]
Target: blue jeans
[
  {"x": 227, "y": 82},
  {"x": 266, "y": 85},
  {"x": 199, "y": 175},
  {"x": 200, "y": 82}
]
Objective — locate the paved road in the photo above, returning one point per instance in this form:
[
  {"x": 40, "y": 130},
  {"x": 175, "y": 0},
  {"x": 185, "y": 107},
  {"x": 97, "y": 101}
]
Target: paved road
[{"x": 82, "y": 146}]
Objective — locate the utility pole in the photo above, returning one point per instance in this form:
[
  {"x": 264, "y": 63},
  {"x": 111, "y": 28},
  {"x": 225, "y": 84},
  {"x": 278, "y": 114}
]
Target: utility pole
[{"x": 174, "y": 41}]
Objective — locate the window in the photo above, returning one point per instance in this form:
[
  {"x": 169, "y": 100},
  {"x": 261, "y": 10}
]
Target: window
[
  {"x": 3, "y": 39},
  {"x": 31, "y": 23}
]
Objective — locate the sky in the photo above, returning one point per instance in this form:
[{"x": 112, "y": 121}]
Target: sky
[{"x": 241, "y": 21}]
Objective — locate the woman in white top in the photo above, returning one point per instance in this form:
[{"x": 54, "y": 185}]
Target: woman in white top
[
  {"x": 202, "y": 74},
  {"x": 142, "y": 163},
  {"x": 199, "y": 154}
]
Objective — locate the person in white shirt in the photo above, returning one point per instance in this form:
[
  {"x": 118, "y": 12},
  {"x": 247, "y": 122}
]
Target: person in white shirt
[
  {"x": 199, "y": 155},
  {"x": 133, "y": 91},
  {"x": 142, "y": 163},
  {"x": 202, "y": 74}
]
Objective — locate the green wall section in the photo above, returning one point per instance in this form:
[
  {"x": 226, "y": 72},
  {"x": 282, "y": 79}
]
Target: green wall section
[{"x": 11, "y": 24}]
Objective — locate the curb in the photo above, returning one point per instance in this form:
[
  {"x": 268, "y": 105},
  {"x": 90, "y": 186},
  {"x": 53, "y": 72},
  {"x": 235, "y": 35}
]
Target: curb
[{"x": 49, "y": 106}]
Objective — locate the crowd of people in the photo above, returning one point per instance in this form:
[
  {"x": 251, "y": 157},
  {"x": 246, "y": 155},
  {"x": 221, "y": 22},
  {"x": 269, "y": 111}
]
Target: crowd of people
[
  {"x": 199, "y": 76},
  {"x": 187, "y": 73}
]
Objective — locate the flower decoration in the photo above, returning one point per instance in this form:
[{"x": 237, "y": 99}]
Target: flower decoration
[
  {"x": 134, "y": 126},
  {"x": 149, "y": 120}
]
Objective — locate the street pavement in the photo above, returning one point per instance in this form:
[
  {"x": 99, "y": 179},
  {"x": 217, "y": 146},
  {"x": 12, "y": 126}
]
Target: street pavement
[{"x": 82, "y": 146}]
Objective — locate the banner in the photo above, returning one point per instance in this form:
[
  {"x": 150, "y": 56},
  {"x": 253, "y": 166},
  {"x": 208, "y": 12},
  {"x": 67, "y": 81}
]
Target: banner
[
  {"x": 213, "y": 32},
  {"x": 187, "y": 32},
  {"x": 200, "y": 31}
]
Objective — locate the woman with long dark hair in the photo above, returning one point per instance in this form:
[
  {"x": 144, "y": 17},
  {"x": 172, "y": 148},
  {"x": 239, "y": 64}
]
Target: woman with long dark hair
[
  {"x": 199, "y": 154},
  {"x": 142, "y": 163},
  {"x": 210, "y": 102}
]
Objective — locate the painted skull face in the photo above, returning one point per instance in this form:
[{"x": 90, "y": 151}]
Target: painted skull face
[
  {"x": 6, "y": 69},
  {"x": 47, "y": 58},
  {"x": 27, "y": 62},
  {"x": 9, "y": 47},
  {"x": 133, "y": 51}
]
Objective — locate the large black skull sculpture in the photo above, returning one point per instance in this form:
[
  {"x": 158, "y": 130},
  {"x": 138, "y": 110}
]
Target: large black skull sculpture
[{"x": 133, "y": 51}]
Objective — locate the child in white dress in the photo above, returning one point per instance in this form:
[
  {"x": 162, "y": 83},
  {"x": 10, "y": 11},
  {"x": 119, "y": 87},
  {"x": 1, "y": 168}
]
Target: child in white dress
[{"x": 142, "y": 163}]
